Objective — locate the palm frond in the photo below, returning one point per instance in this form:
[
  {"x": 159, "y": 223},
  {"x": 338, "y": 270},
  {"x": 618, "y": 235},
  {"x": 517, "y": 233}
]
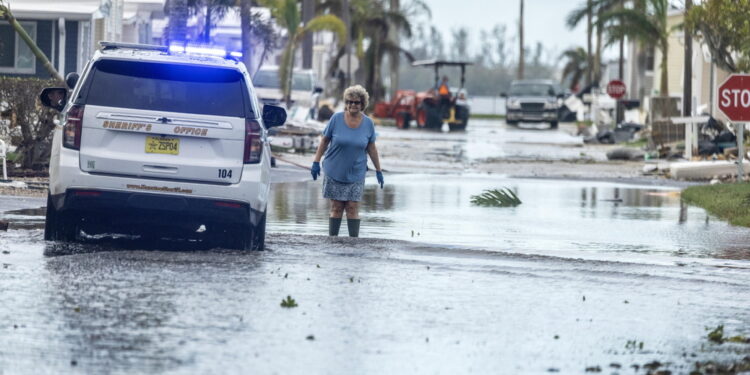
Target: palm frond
[{"x": 502, "y": 197}]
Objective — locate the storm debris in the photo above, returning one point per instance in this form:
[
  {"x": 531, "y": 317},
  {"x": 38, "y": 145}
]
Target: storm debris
[
  {"x": 503, "y": 197},
  {"x": 310, "y": 337},
  {"x": 289, "y": 302}
]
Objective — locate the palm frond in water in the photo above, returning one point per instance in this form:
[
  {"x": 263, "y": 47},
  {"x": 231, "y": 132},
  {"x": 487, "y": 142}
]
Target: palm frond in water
[{"x": 496, "y": 198}]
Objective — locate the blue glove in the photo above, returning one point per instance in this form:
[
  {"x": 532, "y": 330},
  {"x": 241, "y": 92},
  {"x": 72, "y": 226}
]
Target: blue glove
[
  {"x": 379, "y": 174},
  {"x": 315, "y": 170}
]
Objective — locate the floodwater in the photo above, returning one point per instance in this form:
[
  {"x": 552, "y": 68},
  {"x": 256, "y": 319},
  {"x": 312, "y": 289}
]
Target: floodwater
[{"x": 582, "y": 275}]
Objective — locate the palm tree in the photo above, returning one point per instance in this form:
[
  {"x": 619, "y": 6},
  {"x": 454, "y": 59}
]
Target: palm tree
[
  {"x": 593, "y": 10},
  {"x": 575, "y": 67},
  {"x": 178, "y": 15},
  {"x": 215, "y": 11},
  {"x": 646, "y": 22},
  {"x": 289, "y": 16},
  {"x": 371, "y": 22}
]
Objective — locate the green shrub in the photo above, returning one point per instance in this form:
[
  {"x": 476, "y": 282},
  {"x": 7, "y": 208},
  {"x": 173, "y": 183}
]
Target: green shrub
[{"x": 27, "y": 123}]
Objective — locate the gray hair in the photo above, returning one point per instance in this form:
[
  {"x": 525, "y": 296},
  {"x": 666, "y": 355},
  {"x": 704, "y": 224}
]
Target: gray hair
[{"x": 359, "y": 92}]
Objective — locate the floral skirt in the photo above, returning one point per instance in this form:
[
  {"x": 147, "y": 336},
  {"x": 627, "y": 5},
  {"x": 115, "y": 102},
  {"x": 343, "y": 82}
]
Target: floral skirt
[{"x": 342, "y": 191}]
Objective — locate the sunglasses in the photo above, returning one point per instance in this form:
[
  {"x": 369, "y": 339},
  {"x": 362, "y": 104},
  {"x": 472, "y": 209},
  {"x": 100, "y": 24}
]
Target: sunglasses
[{"x": 353, "y": 102}]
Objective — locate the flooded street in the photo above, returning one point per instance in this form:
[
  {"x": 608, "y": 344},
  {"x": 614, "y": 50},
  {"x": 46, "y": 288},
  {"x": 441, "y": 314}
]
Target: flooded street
[{"x": 582, "y": 275}]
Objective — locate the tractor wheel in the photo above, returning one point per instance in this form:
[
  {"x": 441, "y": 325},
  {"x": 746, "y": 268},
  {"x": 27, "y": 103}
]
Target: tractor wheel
[
  {"x": 433, "y": 120},
  {"x": 403, "y": 120},
  {"x": 462, "y": 114},
  {"x": 421, "y": 118}
]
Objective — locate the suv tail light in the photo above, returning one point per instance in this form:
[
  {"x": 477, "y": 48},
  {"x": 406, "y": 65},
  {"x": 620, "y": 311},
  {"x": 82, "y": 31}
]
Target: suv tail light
[
  {"x": 72, "y": 127},
  {"x": 253, "y": 145}
]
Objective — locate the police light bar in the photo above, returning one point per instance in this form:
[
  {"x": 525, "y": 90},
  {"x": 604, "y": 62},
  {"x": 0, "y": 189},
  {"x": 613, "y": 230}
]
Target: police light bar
[{"x": 201, "y": 50}]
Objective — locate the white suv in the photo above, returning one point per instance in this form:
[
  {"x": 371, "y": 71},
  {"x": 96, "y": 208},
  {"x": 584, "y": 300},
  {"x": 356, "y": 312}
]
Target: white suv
[
  {"x": 304, "y": 92},
  {"x": 160, "y": 143}
]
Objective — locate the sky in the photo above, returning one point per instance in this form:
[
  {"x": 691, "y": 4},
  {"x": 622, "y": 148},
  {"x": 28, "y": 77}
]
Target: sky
[{"x": 544, "y": 20}]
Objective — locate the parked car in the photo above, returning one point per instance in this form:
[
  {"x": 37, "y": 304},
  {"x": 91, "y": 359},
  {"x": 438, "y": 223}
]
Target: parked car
[
  {"x": 304, "y": 91},
  {"x": 158, "y": 143},
  {"x": 533, "y": 100}
]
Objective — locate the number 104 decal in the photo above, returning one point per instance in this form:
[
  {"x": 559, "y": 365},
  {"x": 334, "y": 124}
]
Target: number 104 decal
[{"x": 225, "y": 173}]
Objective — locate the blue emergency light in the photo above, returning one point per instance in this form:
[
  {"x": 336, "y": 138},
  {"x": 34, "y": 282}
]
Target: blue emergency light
[{"x": 202, "y": 50}]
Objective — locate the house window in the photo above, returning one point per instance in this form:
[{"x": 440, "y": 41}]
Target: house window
[{"x": 15, "y": 55}]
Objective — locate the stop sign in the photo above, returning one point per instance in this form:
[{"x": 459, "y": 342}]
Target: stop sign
[
  {"x": 616, "y": 89},
  {"x": 734, "y": 97}
]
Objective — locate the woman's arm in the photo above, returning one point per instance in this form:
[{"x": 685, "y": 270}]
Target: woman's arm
[{"x": 372, "y": 150}]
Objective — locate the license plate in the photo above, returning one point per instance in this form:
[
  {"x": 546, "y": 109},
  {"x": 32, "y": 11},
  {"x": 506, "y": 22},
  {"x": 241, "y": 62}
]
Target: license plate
[{"x": 162, "y": 145}]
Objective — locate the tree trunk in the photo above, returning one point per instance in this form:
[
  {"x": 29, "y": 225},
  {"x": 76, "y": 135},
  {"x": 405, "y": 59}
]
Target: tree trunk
[
  {"x": 664, "y": 86},
  {"x": 395, "y": 61},
  {"x": 621, "y": 62},
  {"x": 521, "y": 57},
  {"x": 5, "y": 12},
  {"x": 178, "y": 14},
  {"x": 246, "y": 26},
  {"x": 207, "y": 25},
  {"x": 687, "y": 95},
  {"x": 308, "y": 11},
  {"x": 598, "y": 54}
]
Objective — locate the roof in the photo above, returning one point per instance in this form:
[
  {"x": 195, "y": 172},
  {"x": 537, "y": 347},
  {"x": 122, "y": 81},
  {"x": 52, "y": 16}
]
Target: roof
[
  {"x": 76, "y": 9},
  {"x": 436, "y": 62},
  {"x": 46, "y": 9}
]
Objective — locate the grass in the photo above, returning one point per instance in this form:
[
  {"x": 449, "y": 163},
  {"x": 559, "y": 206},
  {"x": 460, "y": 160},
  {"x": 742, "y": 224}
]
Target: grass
[
  {"x": 486, "y": 116},
  {"x": 639, "y": 143},
  {"x": 729, "y": 202}
]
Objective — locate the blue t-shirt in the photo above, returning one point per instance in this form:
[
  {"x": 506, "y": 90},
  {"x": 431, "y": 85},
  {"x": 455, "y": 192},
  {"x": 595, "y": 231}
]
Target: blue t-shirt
[{"x": 346, "y": 158}]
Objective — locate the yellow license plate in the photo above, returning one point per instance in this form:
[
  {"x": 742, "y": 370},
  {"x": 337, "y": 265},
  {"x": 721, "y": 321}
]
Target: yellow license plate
[{"x": 162, "y": 145}]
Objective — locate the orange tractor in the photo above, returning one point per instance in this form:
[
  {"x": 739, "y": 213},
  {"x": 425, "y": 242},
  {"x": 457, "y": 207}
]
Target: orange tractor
[{"x": 429, "y": 108}]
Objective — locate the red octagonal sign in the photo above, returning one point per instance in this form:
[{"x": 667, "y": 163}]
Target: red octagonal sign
[
  {"x": 616, "y": 89},
  {"x": 734, "y": 97}
]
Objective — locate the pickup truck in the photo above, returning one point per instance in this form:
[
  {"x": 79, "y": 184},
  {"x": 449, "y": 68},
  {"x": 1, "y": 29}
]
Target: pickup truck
[{"x": 533, "y": 100}]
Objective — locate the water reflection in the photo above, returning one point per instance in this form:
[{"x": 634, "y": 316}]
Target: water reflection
[{"x": 556, "y": 215}]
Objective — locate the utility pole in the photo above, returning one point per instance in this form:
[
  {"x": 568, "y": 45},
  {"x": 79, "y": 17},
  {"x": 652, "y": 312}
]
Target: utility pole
[
  {"x": 620, "y": 110},
  {"x": 347, "y": 22},
  {"x": 521, "y": 58},
  {"x": 308, "y": 11},
  {"x": 589, "y": 58},
  {"x": 687, "y": 93}
]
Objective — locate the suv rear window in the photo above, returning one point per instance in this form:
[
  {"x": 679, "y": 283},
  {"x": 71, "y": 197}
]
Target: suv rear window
[
  {"x": 167, "y": 87},
  {"x": 270, "y": 78}
]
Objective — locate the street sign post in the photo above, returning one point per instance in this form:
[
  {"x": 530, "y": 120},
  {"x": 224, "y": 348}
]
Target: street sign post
[
  {"x": 734, "y": 102},
  {"x": 616, "y": 89}
]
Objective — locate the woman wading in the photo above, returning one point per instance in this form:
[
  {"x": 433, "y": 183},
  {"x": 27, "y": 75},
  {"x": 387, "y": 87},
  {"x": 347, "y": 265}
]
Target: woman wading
[{"x": 347, "y": 140}]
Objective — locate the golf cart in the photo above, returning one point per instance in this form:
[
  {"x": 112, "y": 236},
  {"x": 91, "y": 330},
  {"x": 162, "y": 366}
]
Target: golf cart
[{"x": 429, "y": 108}]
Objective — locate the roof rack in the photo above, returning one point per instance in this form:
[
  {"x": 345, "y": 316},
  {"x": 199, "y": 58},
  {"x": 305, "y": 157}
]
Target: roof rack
[{"x": 117, "y": 45}]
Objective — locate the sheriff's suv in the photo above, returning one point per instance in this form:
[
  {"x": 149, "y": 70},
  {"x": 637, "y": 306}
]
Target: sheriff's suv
[{"x": 160, "y": 142}]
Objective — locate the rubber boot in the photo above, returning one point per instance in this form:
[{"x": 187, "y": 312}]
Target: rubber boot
[
  {"x": 353, "y": 225},
  {"x": 334, "y": 223}
]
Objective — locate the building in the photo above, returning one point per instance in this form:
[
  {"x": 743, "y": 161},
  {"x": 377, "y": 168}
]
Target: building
[
  {"x": 643, "y": 74},
  {"x": 68, "y": 31}
]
